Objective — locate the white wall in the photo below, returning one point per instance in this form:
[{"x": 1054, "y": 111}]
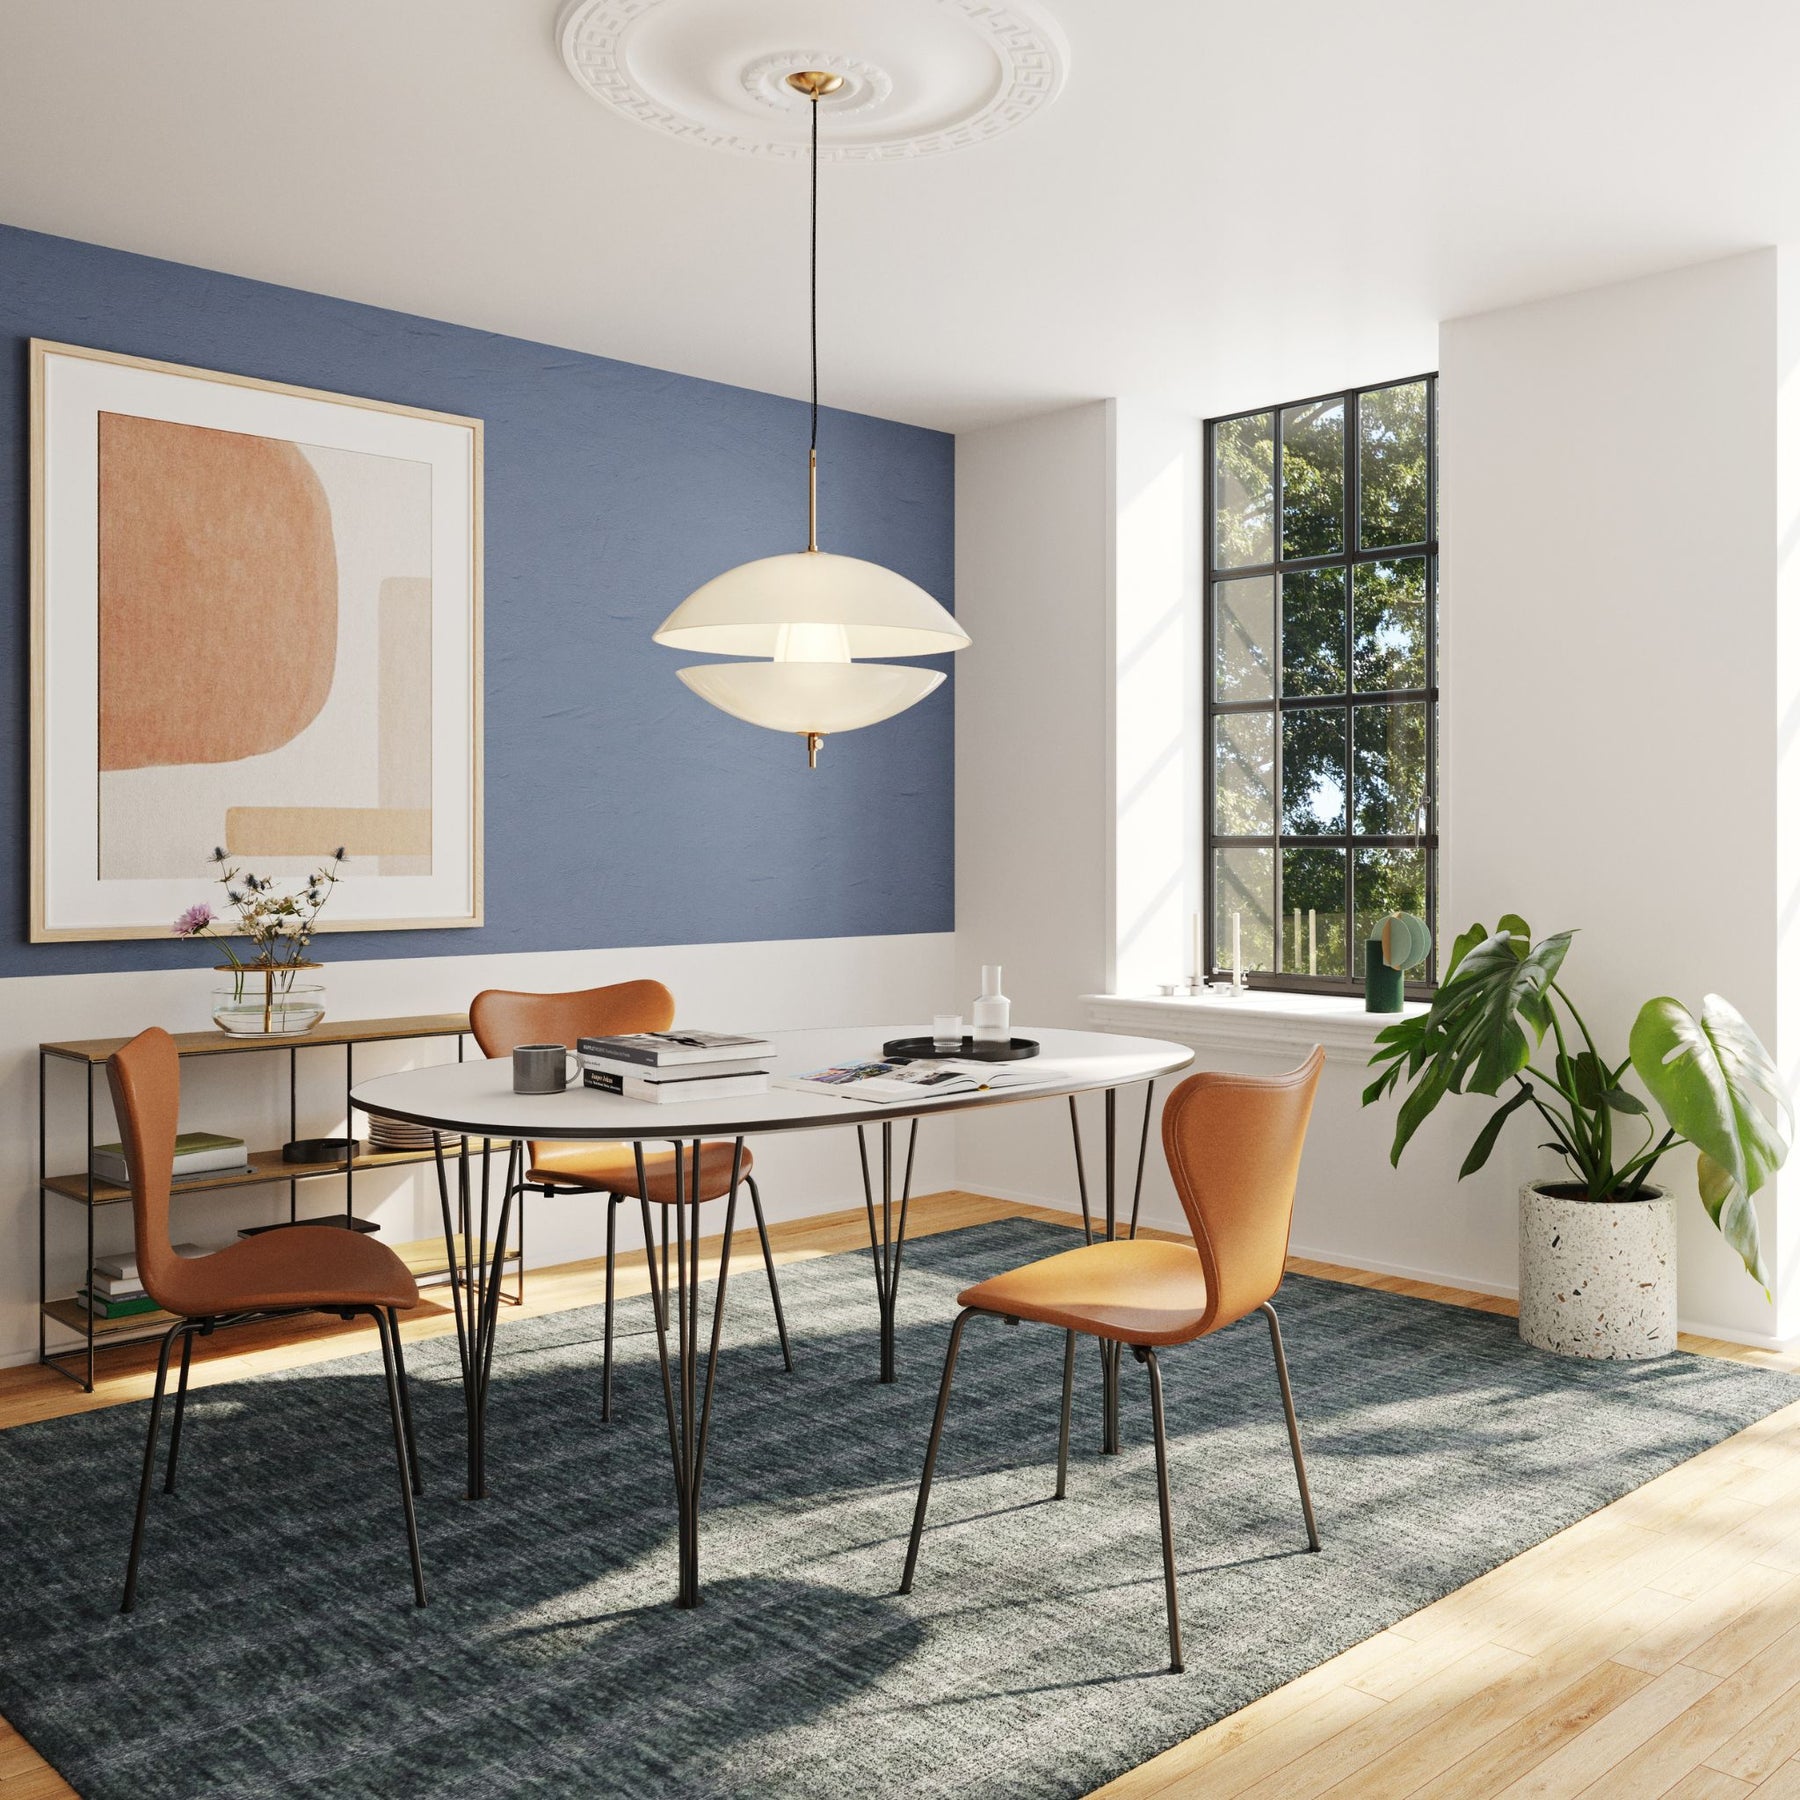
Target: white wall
[
  {"x": 1612, "y": 719},
  {"x": 1031, "y": 753},
  {"x": 834, "y": 981}
]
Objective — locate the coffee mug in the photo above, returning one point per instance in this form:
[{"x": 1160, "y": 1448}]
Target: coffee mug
[{"x": 542, "y": 1068}]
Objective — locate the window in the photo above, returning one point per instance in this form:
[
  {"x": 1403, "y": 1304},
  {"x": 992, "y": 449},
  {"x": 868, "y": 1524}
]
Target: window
[{"x": 1321, "y": 690}]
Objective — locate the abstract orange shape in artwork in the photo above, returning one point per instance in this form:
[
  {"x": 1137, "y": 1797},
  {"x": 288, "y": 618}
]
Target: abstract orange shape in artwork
[{"x": 218, "y": 594}]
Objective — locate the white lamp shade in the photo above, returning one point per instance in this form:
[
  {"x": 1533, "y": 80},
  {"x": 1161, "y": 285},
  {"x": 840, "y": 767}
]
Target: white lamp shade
[
  {"x": 821, "y": 697},
  {"x": 745, "y": 611}
]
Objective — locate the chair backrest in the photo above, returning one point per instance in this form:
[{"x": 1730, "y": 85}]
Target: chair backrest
[
  {"x": 1233, "y": 1143},
  {"x": 145, "y": 1077},
  {"x": 502, "y": 1019}
]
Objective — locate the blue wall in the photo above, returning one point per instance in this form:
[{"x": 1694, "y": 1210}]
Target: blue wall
[{"x": 621, "y": 809}]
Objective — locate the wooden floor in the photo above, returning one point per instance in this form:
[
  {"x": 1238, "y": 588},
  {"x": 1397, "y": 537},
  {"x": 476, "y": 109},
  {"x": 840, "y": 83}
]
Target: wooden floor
[{"x": 1652, "y": 1649}]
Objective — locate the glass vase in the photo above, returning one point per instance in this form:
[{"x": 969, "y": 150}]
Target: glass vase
[{"x": 264, "y": 1000}]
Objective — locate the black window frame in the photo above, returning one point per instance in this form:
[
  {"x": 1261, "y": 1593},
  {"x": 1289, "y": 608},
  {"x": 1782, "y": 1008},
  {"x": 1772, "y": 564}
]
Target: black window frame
[{"x": 1352, "y": 555}]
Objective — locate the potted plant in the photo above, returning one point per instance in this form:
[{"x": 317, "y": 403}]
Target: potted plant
[
  {"x": 1597, "y": 1250},
  {"x": 265, "y": 996}
]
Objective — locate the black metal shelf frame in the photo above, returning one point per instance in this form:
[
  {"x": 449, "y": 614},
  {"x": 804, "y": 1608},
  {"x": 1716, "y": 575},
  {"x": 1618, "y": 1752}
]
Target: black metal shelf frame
[{"x": 82, "y": 1354}]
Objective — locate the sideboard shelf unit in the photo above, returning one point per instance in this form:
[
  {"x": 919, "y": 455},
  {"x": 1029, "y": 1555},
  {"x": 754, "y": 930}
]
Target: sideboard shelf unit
[{"x": 426, "y": 1258}]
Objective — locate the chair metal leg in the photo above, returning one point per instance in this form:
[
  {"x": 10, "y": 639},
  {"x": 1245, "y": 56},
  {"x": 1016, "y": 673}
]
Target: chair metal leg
[
  {"x": 762, "y": 1231},
  {"x": 181, "y": 1387},
  {"x": 1293, "y": 1425},
  {"x": 412, "y": 1441},
  {"x": 143, "y": 1501},
  {"x": 612, "y": 1224},
  {"x": 406, "y": 1486},
  {"x": 1068, "y": 1397},
  {"x": 931, "y": 1450},
  {"x": 1148, "y": 1358}
]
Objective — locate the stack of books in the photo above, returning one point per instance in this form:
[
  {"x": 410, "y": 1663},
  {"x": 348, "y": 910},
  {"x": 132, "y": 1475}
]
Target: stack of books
[
  {"x": 667, "y": 1066},
  {"x": 197, "y": 1153},
  {"x": 117, "y": 1292}
]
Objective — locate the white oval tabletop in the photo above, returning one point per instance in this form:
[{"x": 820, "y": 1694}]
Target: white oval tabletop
[{"x": 475, "y": 1099}]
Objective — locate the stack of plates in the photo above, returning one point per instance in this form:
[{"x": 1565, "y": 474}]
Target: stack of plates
[{"x": 399, "y": 1134}]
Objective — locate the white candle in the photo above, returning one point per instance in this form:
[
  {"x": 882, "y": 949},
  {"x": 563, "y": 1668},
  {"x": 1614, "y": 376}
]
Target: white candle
[
  {"x": 1296, "y": 961},
  {"x": 1199, "y": 960},
  {"x": 1312, "y": 941},
  {"x": 1237, "y": 950}
]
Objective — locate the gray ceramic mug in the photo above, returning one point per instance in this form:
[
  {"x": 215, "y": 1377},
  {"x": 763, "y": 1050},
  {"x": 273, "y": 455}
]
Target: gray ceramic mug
[{"x": 542, "y": 1068}]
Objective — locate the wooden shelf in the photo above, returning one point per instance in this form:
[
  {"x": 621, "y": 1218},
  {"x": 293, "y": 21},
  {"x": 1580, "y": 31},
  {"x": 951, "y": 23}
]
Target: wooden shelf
[
  {"x": 223, "y": 1043},
  {"x": 265, "y": 1166}
]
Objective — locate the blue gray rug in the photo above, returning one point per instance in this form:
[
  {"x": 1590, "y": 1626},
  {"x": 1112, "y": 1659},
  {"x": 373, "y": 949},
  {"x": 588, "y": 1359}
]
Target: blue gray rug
[{"x": 275, "y": 1650}]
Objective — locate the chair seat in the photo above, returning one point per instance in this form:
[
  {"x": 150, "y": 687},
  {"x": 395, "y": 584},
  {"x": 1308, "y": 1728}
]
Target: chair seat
[
  {"x": 299, "y": 1266},
  {"x": 1138, "y": 1291},
  {"x": 612, "y": 1169}
]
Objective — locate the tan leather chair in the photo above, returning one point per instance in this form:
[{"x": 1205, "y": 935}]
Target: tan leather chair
[
  {"x": 1233, "y": 1145},
  {"x": 300, "y": 1268},
  {"x": 502, "y": 1020}
]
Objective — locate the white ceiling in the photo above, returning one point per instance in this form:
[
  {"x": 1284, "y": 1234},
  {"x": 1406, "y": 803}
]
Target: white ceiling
[{"x": 1229, "y": 203}]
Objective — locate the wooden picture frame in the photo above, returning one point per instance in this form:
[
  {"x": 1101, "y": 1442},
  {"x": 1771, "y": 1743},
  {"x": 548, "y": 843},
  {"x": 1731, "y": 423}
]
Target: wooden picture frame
[{"x": 256, "y": 623}]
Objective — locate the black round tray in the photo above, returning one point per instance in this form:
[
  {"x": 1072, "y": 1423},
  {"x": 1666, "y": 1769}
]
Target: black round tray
[{"x": 921, "y": 1049}]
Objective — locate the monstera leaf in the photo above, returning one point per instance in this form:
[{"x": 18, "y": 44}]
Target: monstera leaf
[
  {"x": 1712, "y": 1078},
  {"x": 1494, "y": 1011}
]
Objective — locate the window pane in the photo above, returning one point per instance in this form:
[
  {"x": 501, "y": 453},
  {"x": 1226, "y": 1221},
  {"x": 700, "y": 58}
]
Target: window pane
[
  {"x": 1244, "y": 638},
  {"x": 1391, "y": 471},
  {"x": 1389, "y": 649},
  {"x": 1389, "y": 766},
  {"x": 1312, "y": 478},
  {"x": 1244, "y": 883},
  {"x": 1244, "y": 491},
  {"x": 1312, "y": 632},
  {"x": 1387, "y": 881},
  {"x": 1244, "y": 775},
  {"x": 1312, "y": 772},
  {"x": 1312, "y": 908}
]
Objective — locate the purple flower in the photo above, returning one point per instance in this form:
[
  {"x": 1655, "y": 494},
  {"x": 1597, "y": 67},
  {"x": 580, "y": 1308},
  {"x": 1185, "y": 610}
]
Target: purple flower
[{"x": 194, "y": 921}]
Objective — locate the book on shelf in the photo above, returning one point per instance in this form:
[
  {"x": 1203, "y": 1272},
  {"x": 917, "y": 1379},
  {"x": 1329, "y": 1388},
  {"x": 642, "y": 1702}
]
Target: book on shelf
[
  {"x": 103, "y": 1306},
  {"x": 123, "y": 1267},
  {"x": 196, "y": 1153},
  {"x": 688, "y": 1087},
  {"x": 883, "y": 1083},
  {"x": 671, "y": 1049},
  {"x": 736, "y": 1065}
]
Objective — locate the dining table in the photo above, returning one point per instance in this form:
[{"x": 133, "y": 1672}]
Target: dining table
[{"x": 479, "y": 1121}]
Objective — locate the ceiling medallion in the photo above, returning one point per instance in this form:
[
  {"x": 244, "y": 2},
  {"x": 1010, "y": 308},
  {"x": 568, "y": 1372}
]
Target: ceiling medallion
[{"x": 920, "y": 77}]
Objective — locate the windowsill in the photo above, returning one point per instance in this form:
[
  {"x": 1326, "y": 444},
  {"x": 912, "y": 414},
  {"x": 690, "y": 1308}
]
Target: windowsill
[{"x": 1264, "y": 1022}]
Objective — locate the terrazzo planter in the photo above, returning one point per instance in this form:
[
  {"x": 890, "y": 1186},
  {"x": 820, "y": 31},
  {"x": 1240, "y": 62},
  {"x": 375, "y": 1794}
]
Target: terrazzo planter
[{"x": 1597, "y": 1278}]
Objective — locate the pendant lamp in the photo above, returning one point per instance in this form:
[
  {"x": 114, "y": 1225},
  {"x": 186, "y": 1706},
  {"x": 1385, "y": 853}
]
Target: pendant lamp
[{"x": 810, "y": 616}]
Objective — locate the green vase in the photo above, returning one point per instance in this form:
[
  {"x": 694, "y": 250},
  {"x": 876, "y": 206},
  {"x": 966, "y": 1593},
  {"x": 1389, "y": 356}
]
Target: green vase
[{"x": 1384, "y": 989}]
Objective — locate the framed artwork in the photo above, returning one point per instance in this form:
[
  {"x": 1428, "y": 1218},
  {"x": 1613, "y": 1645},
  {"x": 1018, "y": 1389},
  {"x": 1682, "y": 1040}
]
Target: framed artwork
[{"x": 256, "y": 626}]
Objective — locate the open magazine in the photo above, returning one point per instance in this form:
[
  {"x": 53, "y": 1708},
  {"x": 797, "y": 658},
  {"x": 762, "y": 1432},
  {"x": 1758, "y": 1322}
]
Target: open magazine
[{"x": 884, "y": 1083}]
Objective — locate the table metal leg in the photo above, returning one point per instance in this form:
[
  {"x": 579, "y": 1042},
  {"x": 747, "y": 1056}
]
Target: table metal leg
[
  {"x": 888, "y": 1245},
  {"x": 687, "y": 1395},
  {"x": 475, "y": 1260}
]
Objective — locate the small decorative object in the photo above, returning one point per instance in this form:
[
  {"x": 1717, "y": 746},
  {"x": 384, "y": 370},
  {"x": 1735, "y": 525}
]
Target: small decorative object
[
  {"x": 265, "y": 996},
  {"x": 320, "y": 1150},
  {"x": 992, "y": 1017},
  {"x": 947, "y": 1033},
  {"x": 542, "y": 1068},
  {"x": 1596, "y": 1253},
  {"x": 1401, "y": 942}
]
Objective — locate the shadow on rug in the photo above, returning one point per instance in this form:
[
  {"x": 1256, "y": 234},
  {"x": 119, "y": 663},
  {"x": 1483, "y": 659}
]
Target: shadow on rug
[{"x": 275, "y": 1649}]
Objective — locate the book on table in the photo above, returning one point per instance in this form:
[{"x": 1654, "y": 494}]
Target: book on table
[
  {"x": 616, "y": 1065},
  {"x": 674, "y": 1049},
  {"x": 683, "y": 1087},
  {"x": 196, "y": 1153},
  {"x": 882, "y": 1083}
]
